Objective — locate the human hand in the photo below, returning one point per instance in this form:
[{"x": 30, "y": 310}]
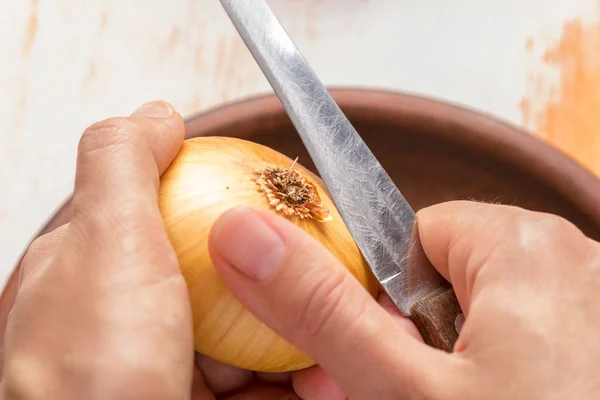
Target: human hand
[
  {"x": 102, "y": 311},
  {"x": 528, "y": 284}
]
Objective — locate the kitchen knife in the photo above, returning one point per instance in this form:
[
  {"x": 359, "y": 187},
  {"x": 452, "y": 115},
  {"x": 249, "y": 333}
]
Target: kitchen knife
[{"x": 379, "y": 218}]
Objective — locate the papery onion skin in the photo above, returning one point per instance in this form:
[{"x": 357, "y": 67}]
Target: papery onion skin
[{"x": 209, "y": 176}]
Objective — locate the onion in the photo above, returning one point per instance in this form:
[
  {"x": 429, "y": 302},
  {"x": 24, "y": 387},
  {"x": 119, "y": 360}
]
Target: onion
[{"x": 211, "y": 175}]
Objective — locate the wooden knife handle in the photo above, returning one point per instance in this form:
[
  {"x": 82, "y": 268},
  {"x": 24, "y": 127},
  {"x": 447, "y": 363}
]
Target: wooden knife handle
[{"x": 435, "y": 314}]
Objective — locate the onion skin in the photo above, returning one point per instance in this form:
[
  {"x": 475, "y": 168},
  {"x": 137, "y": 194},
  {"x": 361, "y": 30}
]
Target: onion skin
[{"x": 209, "y": 176}]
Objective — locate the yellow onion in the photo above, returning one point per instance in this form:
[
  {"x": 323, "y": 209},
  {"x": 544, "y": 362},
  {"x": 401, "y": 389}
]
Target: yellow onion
[{"x": 211, "y": 175}]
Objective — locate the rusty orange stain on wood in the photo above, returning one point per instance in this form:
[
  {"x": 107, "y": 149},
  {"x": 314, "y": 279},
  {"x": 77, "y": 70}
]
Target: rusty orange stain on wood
[
  {"x": 220, "y": 57},
  {"x": 230, "y": 68},
  {"x": 165, "y": 49},
  {"x": 529, "y": 45},
  {"x": 30, "y": 34},
  {"x": 567, "y": 114},
  {"x": 174, "y": 36},
  {"x": 103, "y": 18},
  {"x": 32, "y": 27},
  {"x": 234, "y": 64},
  {"x": 91, "y": 73},
  {"x": 199, "y": 62},
  {"x": 220, "y": 62},
  {"x": 525, "y": 107},
  {"x": 311, "y": 16}
]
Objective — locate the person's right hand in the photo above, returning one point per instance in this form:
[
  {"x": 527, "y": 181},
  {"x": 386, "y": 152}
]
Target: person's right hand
[{"x": 528, "y": 283}]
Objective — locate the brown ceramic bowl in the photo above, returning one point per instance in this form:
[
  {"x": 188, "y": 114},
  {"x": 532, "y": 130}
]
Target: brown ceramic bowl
[{"x": 433, "y": 151}]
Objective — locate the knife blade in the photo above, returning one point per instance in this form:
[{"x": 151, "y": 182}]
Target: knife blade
[{"x": 380, "y": 220}]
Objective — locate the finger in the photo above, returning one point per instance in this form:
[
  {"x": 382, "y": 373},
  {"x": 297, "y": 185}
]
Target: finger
[
  {"x": 120, "y": 159},
  {"x": 115, "y": 207},
  {"x": 41, "y": 252},
  {"x": 199, "y": 389},
  {"x": 315, "y": 384},
  {"x": 221, "y": 378},
  {"x": 405, "y": 323},
  {"x": 296, "y": 287}
]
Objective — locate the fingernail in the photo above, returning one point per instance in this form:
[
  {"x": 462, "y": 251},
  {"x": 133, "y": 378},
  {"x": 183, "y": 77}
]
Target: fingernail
[
  {"x": 244, "y": 240},
  {"x": 459, "y": 322},
  {"x": 155, "y": 109}
]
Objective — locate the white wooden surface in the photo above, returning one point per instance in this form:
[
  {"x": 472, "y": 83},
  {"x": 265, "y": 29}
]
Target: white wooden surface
[{"x": 65, "y": 64}]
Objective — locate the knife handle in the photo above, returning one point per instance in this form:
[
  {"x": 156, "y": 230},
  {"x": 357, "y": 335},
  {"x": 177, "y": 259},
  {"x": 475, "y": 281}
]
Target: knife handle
[{"x": 435, "y": 314}]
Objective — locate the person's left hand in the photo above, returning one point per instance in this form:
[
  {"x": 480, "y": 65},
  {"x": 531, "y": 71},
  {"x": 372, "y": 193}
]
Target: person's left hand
[{"x": 103, "y": 311}]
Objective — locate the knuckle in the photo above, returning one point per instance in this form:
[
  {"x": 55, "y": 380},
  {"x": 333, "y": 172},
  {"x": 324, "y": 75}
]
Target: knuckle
[
  {"x": 109, "y": 133},
  {"x": 323, "y": 301},
  {"x": 34, "y": 249},
  {"x": 41, "y": 251},
  {"x": 537, "y": 229},
  {"x": 552, "y": 223},
  {"x": 535, "y": 245},
  {"x": 131, "y": 230},
  {"x": 29, "y": 259},
  {"x": 39, "y": 247}
]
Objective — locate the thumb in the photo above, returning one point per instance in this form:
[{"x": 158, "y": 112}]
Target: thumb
[{"x": 300, "y": 290}]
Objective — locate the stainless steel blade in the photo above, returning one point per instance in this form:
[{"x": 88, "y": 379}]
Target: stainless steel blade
[{"x": 377, "y": 215}]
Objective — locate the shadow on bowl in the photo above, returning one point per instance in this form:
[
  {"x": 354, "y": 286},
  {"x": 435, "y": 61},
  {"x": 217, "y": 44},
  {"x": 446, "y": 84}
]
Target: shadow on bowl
[{"x": 433, "y": 151}]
